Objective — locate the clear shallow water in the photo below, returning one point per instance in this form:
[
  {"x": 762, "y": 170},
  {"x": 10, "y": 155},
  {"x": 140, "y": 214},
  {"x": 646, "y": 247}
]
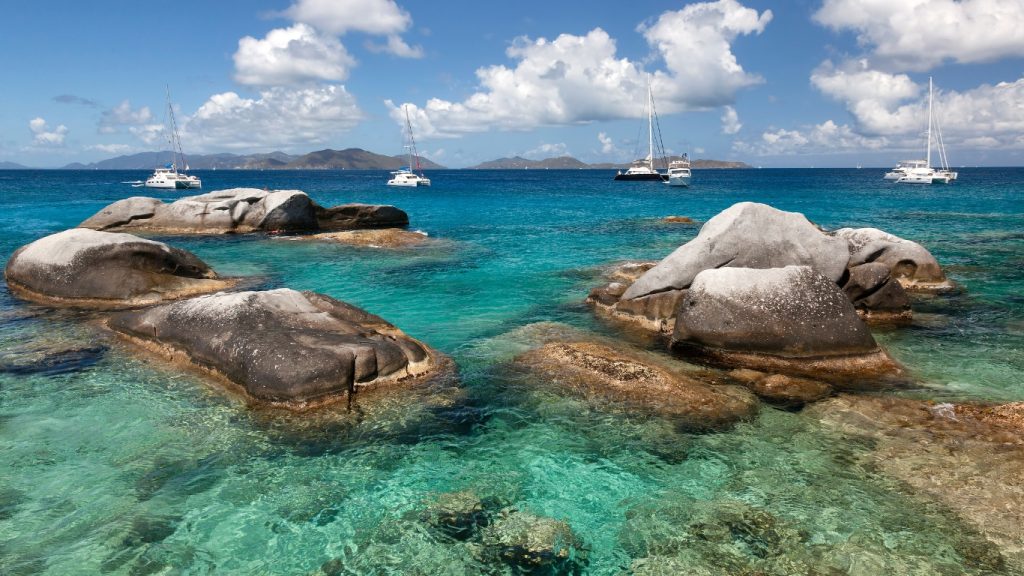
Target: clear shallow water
[{"x": 115, "y": 463}]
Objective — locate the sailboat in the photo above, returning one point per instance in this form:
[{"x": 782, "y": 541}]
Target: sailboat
[
  {"x": 405, "y": 176},
  {"x": 168, "y": 176},
  {"x": 921, "y": 171},
  {"x": 643, "y": 169}
]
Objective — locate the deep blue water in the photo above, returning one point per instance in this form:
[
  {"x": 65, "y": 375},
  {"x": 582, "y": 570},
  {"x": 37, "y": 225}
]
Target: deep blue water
[{"x": 116, "y": 463}]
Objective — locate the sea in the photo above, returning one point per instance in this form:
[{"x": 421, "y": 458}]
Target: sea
[{"x": 114, "y": 462}]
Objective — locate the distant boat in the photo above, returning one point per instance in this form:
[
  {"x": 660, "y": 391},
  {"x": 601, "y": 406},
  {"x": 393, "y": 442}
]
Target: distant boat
[
  {"x": 679, "y": 172},
  {"x": 643, "y": 169},
  {"x": 405, "y": 176},
  {"x": 168, "y": 176},
  {"x": 921, "y": 171}
]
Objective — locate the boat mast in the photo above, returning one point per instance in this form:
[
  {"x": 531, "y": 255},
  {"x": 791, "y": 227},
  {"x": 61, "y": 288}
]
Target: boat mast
[
  {"x": 650, "y": 123},
  {"x": 412, "y": 141},
  {"x": 176, "y": 150},
  {"x": 928, "y": 147}
]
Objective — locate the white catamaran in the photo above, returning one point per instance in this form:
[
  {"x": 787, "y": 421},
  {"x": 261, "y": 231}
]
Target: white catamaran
[
  {"x": 168, "y": 176},
  {"x": 406, "y": 176},
  {"x": 921, "y": 171},
  {"x": 644, "y": 169}
]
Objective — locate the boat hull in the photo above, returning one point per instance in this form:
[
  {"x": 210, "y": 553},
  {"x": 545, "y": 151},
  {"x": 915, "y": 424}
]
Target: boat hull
[
  {"x": 641, "y": 177},
  {"x": 681, "y": 181}
]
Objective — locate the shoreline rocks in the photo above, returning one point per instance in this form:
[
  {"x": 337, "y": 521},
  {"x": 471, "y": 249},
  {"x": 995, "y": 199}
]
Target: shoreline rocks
[
  {"x": 280, "y": 347},
  {"x": 910, "y": 263},
  {"x": 592, "y": 370},
  {"x": 85, "y": 268},
  {"x": 360, "y": 216},
  {"x": 792, "y": 320}
]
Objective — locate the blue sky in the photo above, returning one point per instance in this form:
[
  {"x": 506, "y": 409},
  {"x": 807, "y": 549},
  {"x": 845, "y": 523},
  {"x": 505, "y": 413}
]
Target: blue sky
[{"x": 773, "y": 83}]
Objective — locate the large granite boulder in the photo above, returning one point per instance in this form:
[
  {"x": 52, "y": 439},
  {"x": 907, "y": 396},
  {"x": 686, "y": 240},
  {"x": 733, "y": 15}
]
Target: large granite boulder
[
  {"x": 357, "y": 216},
  {"x": 90, "y": 269},
  {"x": 746, "y": 235},
  {"x": 296, "y": 349},
  {"x": 909, "y": 262},
  {"x": 876, "y": 294},
  {"x": 595, "y": 371},
  {"x": 237, "y": 210},
  {"x": 791, "y": 319}
]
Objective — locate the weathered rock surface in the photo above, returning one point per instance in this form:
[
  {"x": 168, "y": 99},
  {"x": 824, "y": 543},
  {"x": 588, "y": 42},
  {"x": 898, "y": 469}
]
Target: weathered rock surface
[
  {"x": 296, "y": 349},
  {"x": 353, "y": 216},
  {"x": 909, "y": 262},
  {"x": 746, "y": 235},
  {"x": 594, "y": 370},
  {"x": 968, "y": 457},
  {"x": 237, "y": 210},
  {"x": 876, "y": 294},
  {"x": 534, "y": 544},
  {"x": 655, "y": 312},
  {"x": 782, "y": 390},
  {"x": 790, "y": 319},
  {"x": 375, "y": 238},
  {"x": 90, "y": 269}
]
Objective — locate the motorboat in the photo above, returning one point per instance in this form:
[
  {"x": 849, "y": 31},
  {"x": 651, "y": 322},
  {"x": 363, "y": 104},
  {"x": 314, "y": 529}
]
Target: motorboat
[
  {"x": 921, "y": 171},
  {"x": 644, "y": 169},
  {"x": 168, "y": 177},
  {"x": 406, "y": 176},
  {"x": 679, "y": 172}
]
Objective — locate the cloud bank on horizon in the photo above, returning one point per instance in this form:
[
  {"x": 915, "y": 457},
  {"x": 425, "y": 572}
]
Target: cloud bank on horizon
[{"x": 297, "y": 83}]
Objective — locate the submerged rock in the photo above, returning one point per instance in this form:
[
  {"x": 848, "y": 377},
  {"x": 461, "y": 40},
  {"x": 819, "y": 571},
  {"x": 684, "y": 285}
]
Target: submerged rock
[
  {"x": 352, "y": 216},
  {"x": 782, "y": 390},
  {"x": 746, "y": 235},
  {"x": 534, "y": 544},
  {"x": 375, "y": 238},
  {"x": 237, "y": 210},
  {"x": 597, "y": 371},
  {"x": 90, "y": 269},
  {"x": 909, "y": 262},
  {"x": 678, "y": 220},
  {"x": 460, "y": 515},
  {"x": 790, "y": 319},
  {"x": 297, "y": 349}
]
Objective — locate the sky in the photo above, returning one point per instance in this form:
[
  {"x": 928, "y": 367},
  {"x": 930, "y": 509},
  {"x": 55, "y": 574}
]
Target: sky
[{"x": 795, "y": 83}]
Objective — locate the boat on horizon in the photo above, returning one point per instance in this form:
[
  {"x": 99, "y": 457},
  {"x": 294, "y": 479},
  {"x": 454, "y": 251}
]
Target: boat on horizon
[
  {"x": 406, "y": 176},
  {"x": 921, "y": 171},
  {"x": 644, "y": 169},
  {"x": 168, "y": 176}
]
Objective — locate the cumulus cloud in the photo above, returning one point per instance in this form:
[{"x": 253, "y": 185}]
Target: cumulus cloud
[
  {"x": 547, "y": 150},
  {"x": 291, "y": 55},
  {"x": 280, "y": 117},
  {"x": 825, "y": 137},
  {"x": 111, "y": 148},
  {"x": 43, "y": 137},
  {"x": 921, "y": 34},
  {"x": 696, "y": 44},
  {"x": 395, "y": 45},
  {"x": 730, "y": 120},
  {"x": 607, "y": 144},
  {"x": 382, "y": 17},
  {"x": 579, "y": 79},
  {"x": 123, "y": 115}
]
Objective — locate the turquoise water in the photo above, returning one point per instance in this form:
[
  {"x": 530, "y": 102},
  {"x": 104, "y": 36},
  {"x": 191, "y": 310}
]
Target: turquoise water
[{"x": 115, "y": 463}]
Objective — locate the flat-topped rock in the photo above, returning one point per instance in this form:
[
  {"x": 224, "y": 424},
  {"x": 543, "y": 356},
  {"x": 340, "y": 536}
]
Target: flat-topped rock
[
  {"x": 746, "y": 235},
  {"x": 373, "y": 238},
  {"x": 91, "y": 269},
  {"x": 790, "y": 319},
  {"x": 595, "y": 370},
  {"x": 354, "y": 216},
  {"x": 238, "y": 210},
  {"x": 282, "y": 347},
  {"x": 909, "y": 262}
]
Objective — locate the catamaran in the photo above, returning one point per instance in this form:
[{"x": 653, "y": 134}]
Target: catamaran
[
  {"x": 644, "y": 169},
  {"x": 168, "y": 176},
  {"x": 921, "y": 171},
  {"x": 405, "y": 176}
]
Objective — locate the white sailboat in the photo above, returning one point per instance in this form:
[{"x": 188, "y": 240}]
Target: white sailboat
[
  {"x": 406, "y": 176},
  {"x": 643, "y": 169},
  {"x": 921, "y": 171},
  {"x": 168, "y": 176}
]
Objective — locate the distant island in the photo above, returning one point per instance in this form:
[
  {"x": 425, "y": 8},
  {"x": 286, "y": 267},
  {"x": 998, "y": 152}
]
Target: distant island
[{"x": 348, "y": 159}]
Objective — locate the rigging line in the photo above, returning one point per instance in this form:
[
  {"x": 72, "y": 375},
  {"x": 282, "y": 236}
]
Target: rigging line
[{"x": 661, "y": 143}]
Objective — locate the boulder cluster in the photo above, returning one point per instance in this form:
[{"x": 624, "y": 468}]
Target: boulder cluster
[{"x": 279, "y": 347}]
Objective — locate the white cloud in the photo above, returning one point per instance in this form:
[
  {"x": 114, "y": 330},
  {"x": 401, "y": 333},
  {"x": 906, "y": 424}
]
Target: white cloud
[
  {"x": 111, "y": 121},
  {"x": 730, "y": 120},
  {"x": 395, "y": 45},
  {"x": 921, "y": 34},
  {"x": 579, "y": 79},
  {"x": 111, "y": 148},
  {"x": 43, "y": 137},
  {"x": 696, "y": 43},
  {"x": 548, "y": 151},
  {"x": 377, "y": 17},
  {"x": 291, "y": 55},
  {"x": 607, "y": 144},
  {"x": 280, "y": 117},
  {"x": 825, "y": 137}
]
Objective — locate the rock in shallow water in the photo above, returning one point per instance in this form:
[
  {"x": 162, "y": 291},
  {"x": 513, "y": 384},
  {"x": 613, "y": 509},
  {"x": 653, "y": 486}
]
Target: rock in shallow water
[
  {"x": 597, "y": 371},
  {"x": 90, "y": 269},
  {"x": 352, "y": 216},
  {"x": 909, "y": 262},
  {"x": 296, "y": 349},
  {"x": 789, "y": 319},
  {"x": 376, "y": 238}
]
